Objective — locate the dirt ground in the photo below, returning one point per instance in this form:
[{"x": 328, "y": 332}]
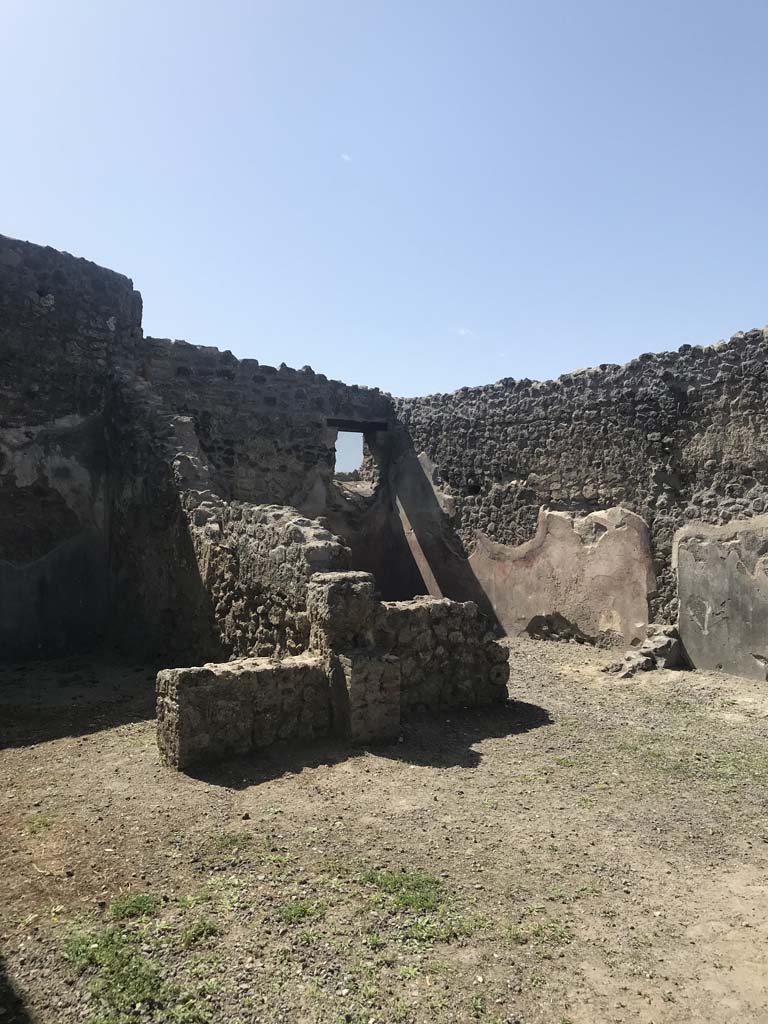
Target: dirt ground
[{"x": 596, "y": 852}]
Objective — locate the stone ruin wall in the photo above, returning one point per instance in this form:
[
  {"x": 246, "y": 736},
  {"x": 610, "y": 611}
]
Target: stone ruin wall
[
  {"x": 446, "y": 654},
  {"x": 580, "y": 577},
  {"x": 103, "y": 437},
  {"x": 260, "y": 435},
  {"x": 722, "y": 574},
  {"x": 674, "y": 437},
  {"x": 220, "y": 710},
  {"x": 133, "y": 472},
  {"x": 264, "y": 431},
  {"x": 94, "y": 543},
  {"x": 255, "y": 563},
  {"x": 369, "y": 666},
  {"x": 67, "y": 329}
]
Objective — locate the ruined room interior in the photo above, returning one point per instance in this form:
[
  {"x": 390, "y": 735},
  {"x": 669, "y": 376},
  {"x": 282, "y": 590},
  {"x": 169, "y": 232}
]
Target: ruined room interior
[
  {"x": 177, "y": 502},
  {"x": 237, "y": 684}
]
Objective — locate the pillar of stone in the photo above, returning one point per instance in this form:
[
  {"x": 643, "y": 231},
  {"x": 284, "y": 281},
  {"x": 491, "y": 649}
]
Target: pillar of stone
[{"x": 365, "y": 682}]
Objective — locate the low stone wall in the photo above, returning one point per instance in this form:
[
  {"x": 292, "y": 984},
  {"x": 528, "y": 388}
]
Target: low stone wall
[
  {"x": 722, "y": 574},
  {"x": 369, "y": 666},
  {"x": 216, "y": 711},
  {"x": 365, "y": 680},
  {"x": 447, "y": 658},
  {"x": 366, "y": 688},
  {"x": 255, "y": 562}
]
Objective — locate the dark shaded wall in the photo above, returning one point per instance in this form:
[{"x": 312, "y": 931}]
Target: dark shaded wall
[
  {"x": 161, "y": 608},
  {"x": 93, "y": 539},
  {"x": 100, "y": 433},
  {"x": 674, "y": 437},
  {"x": 66, "y": 327}
]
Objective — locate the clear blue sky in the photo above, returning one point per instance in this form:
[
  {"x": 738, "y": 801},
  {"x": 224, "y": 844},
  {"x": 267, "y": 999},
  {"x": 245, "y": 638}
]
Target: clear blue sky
[{"x": 414, "y": 194}]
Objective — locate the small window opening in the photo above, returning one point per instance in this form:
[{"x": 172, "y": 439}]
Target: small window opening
[
  {"x": 349, "y": 455},
  {"x": 356, "y": 462}
]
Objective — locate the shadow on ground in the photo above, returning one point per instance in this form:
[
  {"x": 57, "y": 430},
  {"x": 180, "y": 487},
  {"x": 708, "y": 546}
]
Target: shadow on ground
[
  {"x": 75, "y": 696},
  {"x": 12, "y": 1008},
  {"x": 435, "y": 741}
]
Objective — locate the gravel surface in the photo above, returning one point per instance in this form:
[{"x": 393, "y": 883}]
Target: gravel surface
[{"x": 596, "y": 851}]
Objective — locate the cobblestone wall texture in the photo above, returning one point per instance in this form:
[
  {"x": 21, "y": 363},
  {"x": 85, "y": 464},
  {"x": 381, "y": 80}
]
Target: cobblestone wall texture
[
  {"x": 220, "y": 710},
  {"x": 263, "y": 430},
  {"x": 255, "y": 563},
  {"x": 674, "y": 437},
  {"x": 104, "y": 434},
  {"x": 369, "y": 666},
  {"x": 447, "y": 658}
]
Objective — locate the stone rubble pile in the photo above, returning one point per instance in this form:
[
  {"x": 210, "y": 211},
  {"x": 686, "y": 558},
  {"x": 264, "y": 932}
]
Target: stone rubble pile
[{"x": 661, "y": 649}]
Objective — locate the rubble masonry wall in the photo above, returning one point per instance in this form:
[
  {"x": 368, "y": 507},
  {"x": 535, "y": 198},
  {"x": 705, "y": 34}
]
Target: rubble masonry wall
[
  {"x": 674, "y": 437},
  {"x": 255, "y": 564},
  {"x": 350, "y": 681}
]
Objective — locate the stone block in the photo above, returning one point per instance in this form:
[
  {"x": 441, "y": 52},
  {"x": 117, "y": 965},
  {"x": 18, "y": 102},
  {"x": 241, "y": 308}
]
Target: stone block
[
  {"x": 366, "y": 695},
  {"x": 214, "y": 711},
  {"x": 341, "y": 608},
  {"x": 447, "y": 657}
]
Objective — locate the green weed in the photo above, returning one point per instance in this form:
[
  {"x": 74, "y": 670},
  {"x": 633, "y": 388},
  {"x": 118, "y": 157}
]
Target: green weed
[
  {"x": 39, "y": 823},
  {"x": 198, "y": 932},
  {"x": 301, "y": 910},
  {"x": 408, "y": 890},
  {"x": 479, "y": 1007},
  {"x": 123, "y": 978},
  {"x": 133, "y": 905},
  {"x": 443, "y": 928},
  {"x": 545, "y": 933}
]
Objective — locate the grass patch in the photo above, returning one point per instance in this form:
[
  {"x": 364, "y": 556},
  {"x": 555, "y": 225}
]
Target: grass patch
[
  {"x": 186, "y": 1011},
  {"x": 125, "y": 984},
  {"x": 409, "y": 971},
  {"x": 224, "y": 892},
  {"x": 374, "y": 941},
  {"x": 134, "y": 905},
  {"x": 479, "y": 1006},
  {"x": 669, "y": 756},
  {"x": 230, "y": 849},
  {"x": 295, "y": 911},
  {"x": 442, "y": 928},
  {"x": 544, "y": 933},
  {"x": 198, "y": 932},
  {"x": 227, "y": 845},
  {"x": 39, "y": 823},
  {"x": 226, "y": 842},
  {"x": 408, "y": 890}
]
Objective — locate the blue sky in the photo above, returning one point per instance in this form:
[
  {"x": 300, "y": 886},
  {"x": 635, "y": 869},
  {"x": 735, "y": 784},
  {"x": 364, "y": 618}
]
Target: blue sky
[{"x": 414, "y": 195}]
